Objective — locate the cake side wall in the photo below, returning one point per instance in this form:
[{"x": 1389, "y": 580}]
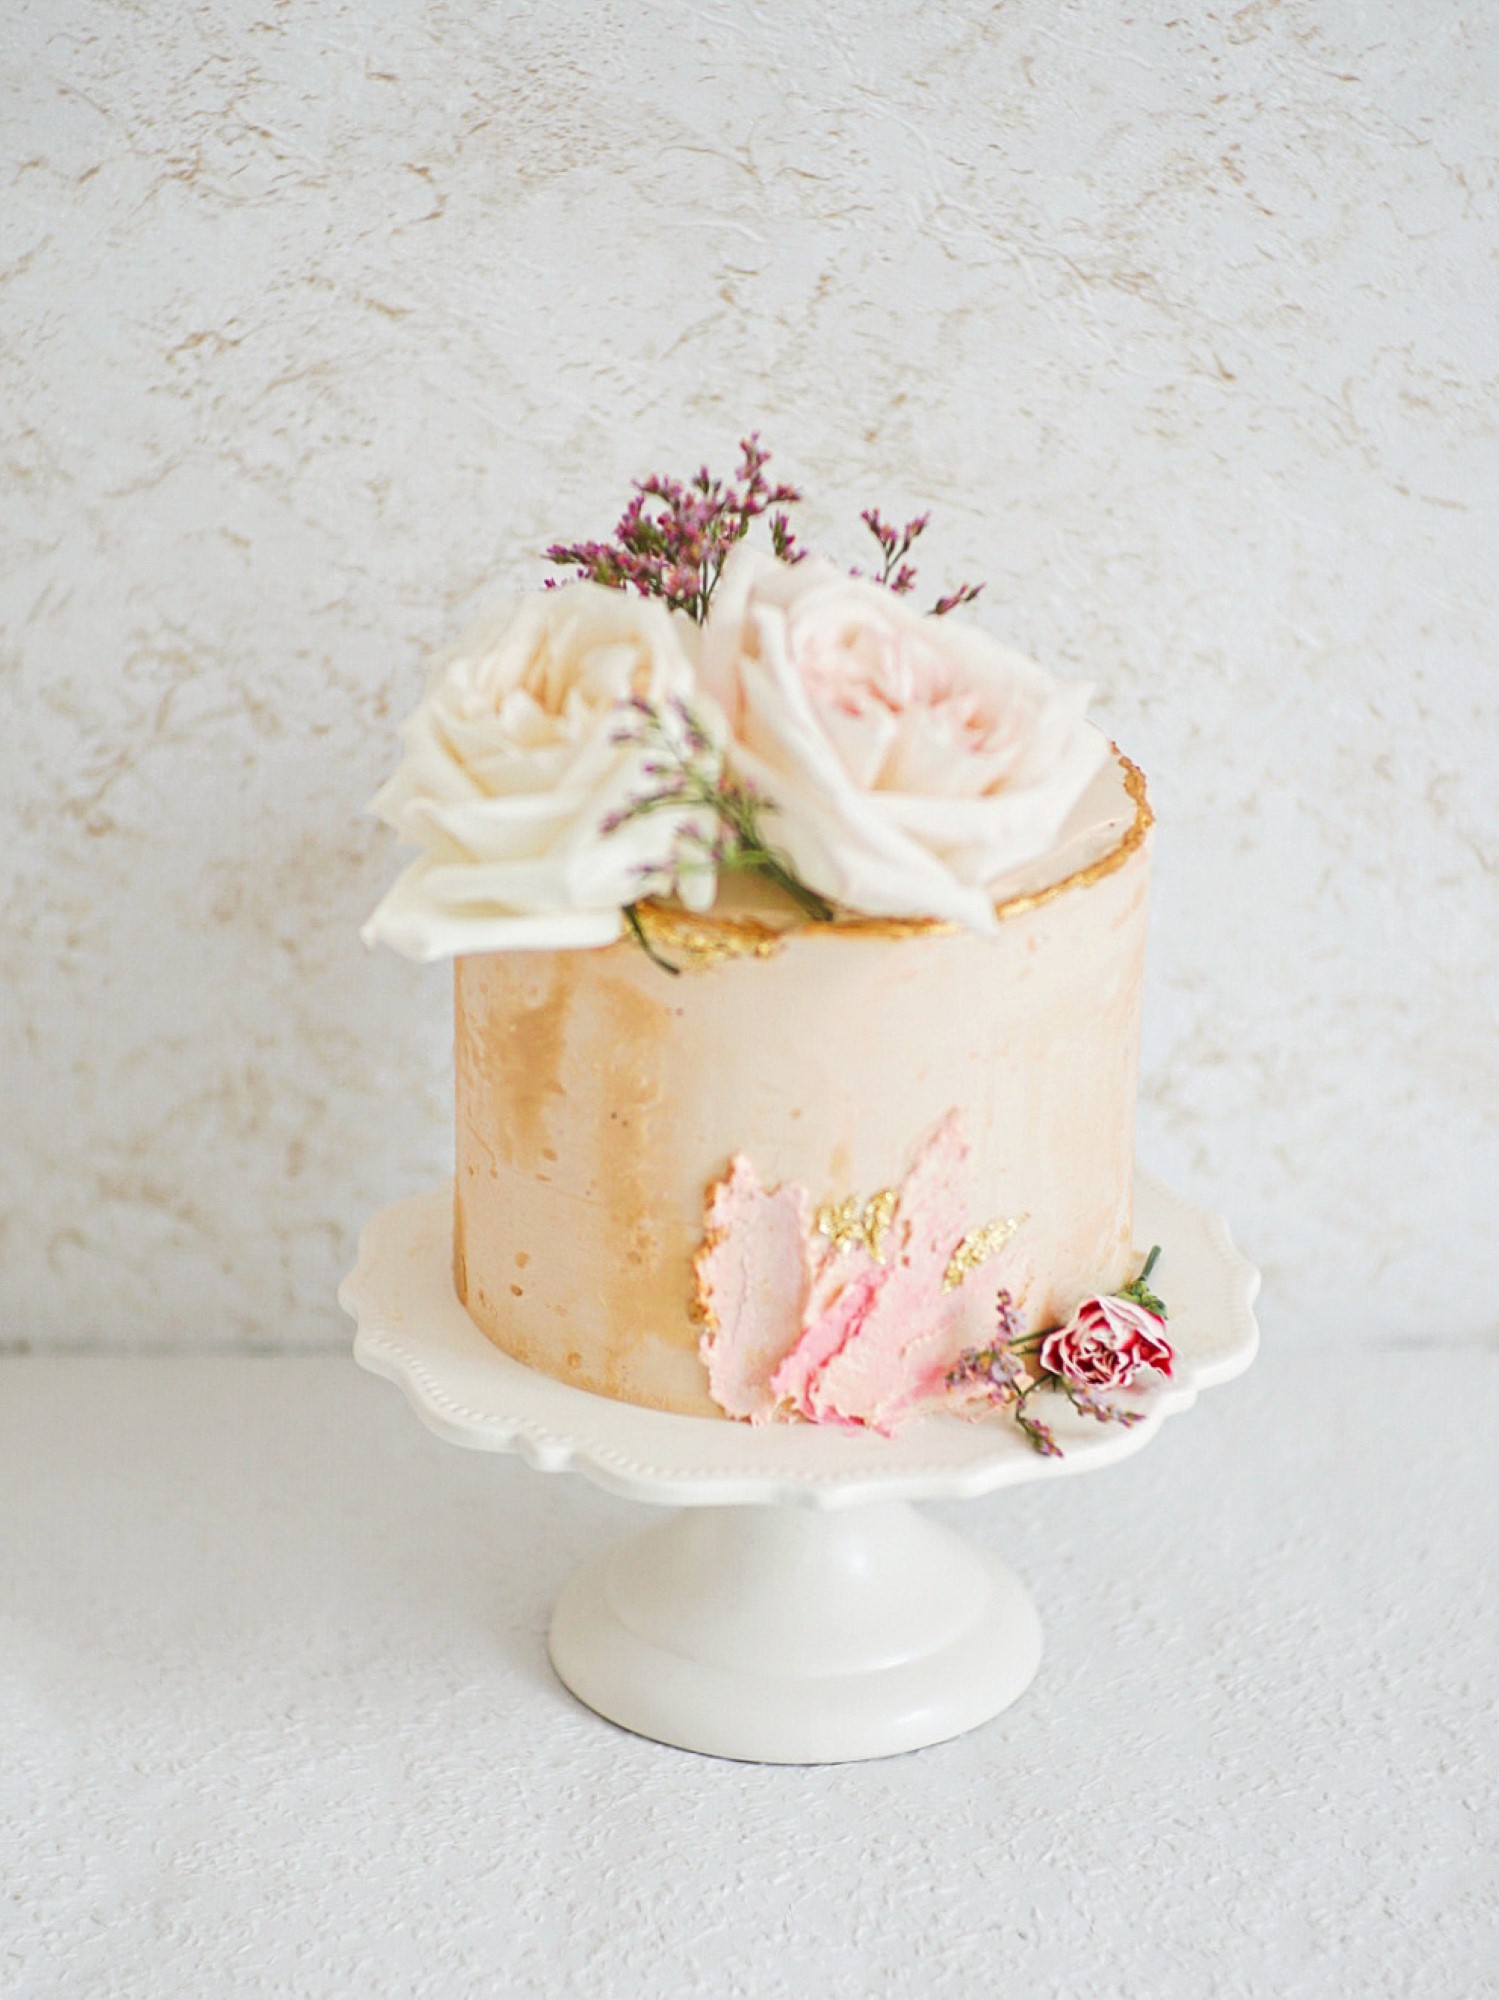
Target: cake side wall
[{"x": 598, "y": 1098}]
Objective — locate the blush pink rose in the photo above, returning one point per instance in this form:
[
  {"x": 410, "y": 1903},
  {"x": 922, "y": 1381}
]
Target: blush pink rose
[
  {"x": 912, "y": 761},
  {"x": 1103, "y": 1344}
]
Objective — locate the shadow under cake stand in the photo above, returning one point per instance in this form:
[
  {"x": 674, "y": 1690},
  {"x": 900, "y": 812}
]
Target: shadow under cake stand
[{"x": 796, "y": 1609}]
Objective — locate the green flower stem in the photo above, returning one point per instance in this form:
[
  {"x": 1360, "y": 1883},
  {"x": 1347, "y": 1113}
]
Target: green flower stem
[
  {"x": 737, "y": 811},
  {"x": 816, "y": 907},
  {"x": 1140, "y": 1290},
  {"x": 632, "y": 918}
]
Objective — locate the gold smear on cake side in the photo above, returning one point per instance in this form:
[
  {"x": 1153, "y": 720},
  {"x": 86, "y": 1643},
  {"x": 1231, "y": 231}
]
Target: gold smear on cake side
[
  {"x": 699, "y": 1312},
  {"x": 702, "y": 941},
  {"x": 977, "y": 1247}
]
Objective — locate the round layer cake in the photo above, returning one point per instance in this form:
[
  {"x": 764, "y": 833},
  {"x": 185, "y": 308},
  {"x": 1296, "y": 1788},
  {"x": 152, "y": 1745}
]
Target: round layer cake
[{"x": 601, "y": 1101}]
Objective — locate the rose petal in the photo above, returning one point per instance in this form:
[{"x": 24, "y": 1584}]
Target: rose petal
[{"x": 514, "y": 778}]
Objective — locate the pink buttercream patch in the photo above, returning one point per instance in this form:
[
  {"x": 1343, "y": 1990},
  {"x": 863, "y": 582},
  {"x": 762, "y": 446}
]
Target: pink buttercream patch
[
  {"x": 834, "y": 1315},
  {"x": 753, "y": 1271},
  {"x": 798, "y": 1327},
  {"x": 876, "y": 1373}
]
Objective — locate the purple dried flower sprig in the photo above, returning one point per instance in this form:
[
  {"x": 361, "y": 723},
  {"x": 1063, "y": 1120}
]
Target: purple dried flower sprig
[
  {"x": 674, "y": 537},
  {"x": 1005, "y": 1373},
  {"x": 1088, "y": 1405},
  {"x": 899, "y": 575},
  {"x": 895, "y": 545}
]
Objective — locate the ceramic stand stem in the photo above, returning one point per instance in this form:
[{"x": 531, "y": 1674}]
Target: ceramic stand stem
[{"x": 791, "y": 1634}]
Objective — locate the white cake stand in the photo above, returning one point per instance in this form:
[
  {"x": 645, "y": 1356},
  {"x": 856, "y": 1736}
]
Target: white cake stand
[{"x": 797, "y": 1610}]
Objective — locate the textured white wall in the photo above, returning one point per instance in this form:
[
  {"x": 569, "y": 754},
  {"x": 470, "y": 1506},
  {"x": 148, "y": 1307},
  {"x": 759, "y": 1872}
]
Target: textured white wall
[{"x": 319, "y": 322}]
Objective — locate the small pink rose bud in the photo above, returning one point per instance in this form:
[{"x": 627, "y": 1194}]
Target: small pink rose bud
[{"x": 1105, "y": 1343}]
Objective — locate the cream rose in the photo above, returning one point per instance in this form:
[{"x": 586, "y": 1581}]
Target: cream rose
[
  {"x": 912, "y": 760},
  {"x": 517, "y": 766}
]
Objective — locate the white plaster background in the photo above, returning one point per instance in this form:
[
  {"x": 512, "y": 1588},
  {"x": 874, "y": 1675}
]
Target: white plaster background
[{"x": 319, "y": 321}]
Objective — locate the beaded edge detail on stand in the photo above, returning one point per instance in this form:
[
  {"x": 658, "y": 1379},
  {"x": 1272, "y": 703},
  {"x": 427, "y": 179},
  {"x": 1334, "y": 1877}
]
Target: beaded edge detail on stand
[{"x": 573, "y": 1454}]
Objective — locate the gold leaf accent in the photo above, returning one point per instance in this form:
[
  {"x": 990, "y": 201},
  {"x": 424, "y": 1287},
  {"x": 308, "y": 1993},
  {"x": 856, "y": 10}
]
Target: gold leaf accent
[
  {"x": 879, "y": 1212},
  {"x": 698, "y": 1309},
  {"x": 849, "y": 1223},
  {"x": 839, "y": 1221},
  {"x": 977, "y": 1247},
  {"x": 698, "y": 942}
]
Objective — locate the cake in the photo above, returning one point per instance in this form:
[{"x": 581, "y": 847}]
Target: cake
[{"x": 798, "y": 942}]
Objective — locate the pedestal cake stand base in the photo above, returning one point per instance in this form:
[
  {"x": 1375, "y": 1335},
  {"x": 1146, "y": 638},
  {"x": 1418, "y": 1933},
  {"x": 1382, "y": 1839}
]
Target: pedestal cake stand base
[
  {"x": 790, "y": 1636},
  {"x": 797, "y": 1610}
]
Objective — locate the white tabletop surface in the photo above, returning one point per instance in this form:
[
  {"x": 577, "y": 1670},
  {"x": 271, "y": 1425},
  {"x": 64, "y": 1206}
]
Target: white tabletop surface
[{"x": 277, "y": 1719}]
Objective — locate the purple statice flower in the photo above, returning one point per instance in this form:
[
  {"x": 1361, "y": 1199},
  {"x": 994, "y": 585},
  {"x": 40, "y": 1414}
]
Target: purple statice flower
[
  {"x": 673, "y": 538},
  {"x": 895, "y": 544},
  {"x": 999, "y": 1370},
  {"x": 1007, "y": 1321},
  {"x": 1102, "y": 1413},
  {"x": 1040, "y": 1435},
  {"x": 721, "y": 828},
  {"x": 899, "y": 575},
  {"x": 996, "y": 1372}
]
